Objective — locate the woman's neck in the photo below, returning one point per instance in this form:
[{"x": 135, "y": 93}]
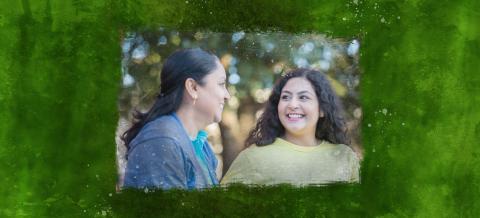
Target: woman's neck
[
  {"x": 307, "y": 141},
  {"x": 190, "y": 123}
]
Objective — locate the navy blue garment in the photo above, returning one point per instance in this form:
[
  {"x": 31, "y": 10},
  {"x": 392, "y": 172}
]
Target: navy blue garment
[{"x": 162, "y": 156}]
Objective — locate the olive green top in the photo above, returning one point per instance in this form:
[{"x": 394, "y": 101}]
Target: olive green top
[{"x": 285, "y": 162}]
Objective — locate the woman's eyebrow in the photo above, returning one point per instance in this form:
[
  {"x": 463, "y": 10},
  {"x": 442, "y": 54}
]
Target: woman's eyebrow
[{"x": 303, "y": 92}]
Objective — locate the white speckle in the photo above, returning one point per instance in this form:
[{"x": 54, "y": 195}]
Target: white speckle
[
  {"x": 110, "y": 194},
  {"x": 233, "y": 61},
  {"x": 355, "y": 1},
  {"x": 186, "y": 2},
  {"x": 162, "y": 40},
  {"x": 238, "y": 36},
  {"x": 384, "y": 111},
  {"x": 369, "y": 125},
  {"x": 357, "y": 113},
  {"x": 301, "y": 62},
  {"x": 211, "y": 12},
  {"x": 327, "y": 54},
  {"x": 232, "y": 69},
  {"x": 183, "y": 204},
  {"x": 344, "y": 19},
  {"x": 382, "y": 20},
  {"x": 373, "y": 150},
  {"x": 353, "y": 47},
  {"x": 128, "y": 80},
  {"x": 104, "y": 213},
  {"x": 403, "y": 124},
  {"x": 324, "y": 65},
  {"x": 84, "y": 211},
  {"x": 398, "y": 17},
  {"x": 269, "y": 47},
  {"x": 140, "y": 52},
  {"x": 153, "y": 154},
  {"x": 127, "y": 44},
  {"x": 378, "y": 165},
  {"x": 136, "y": 166},
  {"x": 163, "y": 162},
  {"x": 306, "y": 48},
  {"x": 234, "y": 78},
  {"x": 145, "y": 190}
]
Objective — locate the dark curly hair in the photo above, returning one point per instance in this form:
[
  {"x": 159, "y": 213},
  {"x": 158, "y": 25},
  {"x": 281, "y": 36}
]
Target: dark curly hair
[{"x": 331, "y": 127}]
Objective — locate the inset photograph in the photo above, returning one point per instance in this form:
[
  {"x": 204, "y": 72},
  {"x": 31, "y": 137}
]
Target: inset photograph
[{"x": 205, "y": 109}]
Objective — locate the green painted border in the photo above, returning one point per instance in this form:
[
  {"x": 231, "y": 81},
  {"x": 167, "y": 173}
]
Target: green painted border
[{"x": 60, "y": 77}]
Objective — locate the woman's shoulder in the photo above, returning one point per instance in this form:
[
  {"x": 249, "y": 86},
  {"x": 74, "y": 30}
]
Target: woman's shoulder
[
  {"x": 341, "y": 147},
  {"x": 344, "y": 150},
  {"x": 164, "y": 126},
  {"x": 163, "y": 123},
  {"x": 163, "y": 130}
]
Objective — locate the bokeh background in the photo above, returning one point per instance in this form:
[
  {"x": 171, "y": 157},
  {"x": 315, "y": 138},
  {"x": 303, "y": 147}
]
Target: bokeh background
[
  {"x": 60, "y": 79},
  {"x": 253, "y": 62}
]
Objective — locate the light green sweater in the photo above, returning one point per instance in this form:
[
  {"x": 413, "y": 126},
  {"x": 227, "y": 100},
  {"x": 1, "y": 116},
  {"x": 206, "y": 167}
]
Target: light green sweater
[{"x": 285, "y": 162}]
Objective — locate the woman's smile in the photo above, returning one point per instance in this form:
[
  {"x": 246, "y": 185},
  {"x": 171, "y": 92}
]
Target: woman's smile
[{"x": 294, "y": 117}]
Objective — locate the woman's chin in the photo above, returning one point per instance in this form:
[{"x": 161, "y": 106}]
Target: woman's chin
[
  {"x": 217, "y": 119},
  {"x": 294, "y": 130}
]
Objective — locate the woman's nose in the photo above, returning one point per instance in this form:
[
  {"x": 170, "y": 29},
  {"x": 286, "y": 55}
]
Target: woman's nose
[
  {"x": 227, "y": 96},
  {"x": 293, "y": 104}
]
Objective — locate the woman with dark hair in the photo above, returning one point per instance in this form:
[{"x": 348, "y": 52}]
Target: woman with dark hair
[
  {"x": 167, "y": 147},
  {"x": 299, "y": 139}
]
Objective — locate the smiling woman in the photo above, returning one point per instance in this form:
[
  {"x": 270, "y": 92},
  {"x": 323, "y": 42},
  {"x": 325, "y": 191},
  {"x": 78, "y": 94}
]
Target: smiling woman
[
  {"x": 299, "y": 139},
  {"x": 167, "y": 147}
]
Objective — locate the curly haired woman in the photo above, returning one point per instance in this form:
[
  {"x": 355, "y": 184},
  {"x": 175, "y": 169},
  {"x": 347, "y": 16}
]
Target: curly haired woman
[{"x": 300, "y": 138}]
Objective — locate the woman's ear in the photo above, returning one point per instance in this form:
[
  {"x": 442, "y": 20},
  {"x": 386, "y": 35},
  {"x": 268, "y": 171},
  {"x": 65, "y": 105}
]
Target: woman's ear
[
  {"x": 321, "y": 114},
  {"x": 191, "y": 87}
]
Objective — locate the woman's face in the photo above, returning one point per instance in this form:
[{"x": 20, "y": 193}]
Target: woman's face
[
  {"x": 213, "y": 94},
  {"x": 298, "y": 108}
]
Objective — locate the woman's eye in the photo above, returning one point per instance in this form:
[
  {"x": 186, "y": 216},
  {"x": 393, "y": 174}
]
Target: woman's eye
[
  {"x": 303, "y": 97},
  {"x": 284, "y": 97}
]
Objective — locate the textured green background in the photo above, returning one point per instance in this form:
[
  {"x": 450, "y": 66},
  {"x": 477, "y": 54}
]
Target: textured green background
[{"x": 60, "y": 76}]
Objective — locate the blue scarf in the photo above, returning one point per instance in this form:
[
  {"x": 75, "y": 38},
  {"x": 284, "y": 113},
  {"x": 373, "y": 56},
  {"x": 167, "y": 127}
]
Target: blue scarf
[{"x": 199, "y": 144}]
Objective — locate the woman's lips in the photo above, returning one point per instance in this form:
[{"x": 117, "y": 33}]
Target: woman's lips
[{"x": 293, "y": 117}]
